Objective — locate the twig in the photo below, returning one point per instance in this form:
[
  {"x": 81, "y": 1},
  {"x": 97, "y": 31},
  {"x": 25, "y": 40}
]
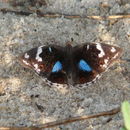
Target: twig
[
  {"x": 53, "y": 15},
  {"x": 20, "y": 128},
  {"x": 15, "y": 12},
  {"x": 79, "y": 118},
  {"x": 65, "y": 121}
]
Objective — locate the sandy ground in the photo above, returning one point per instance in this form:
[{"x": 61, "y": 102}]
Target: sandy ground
[{"x": 25, "y": 100}]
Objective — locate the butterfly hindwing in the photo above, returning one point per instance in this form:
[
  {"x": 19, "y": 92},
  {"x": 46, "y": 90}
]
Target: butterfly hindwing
[
  {"x": 96, "y": 59},
  {"x": 46, "y": 61}
]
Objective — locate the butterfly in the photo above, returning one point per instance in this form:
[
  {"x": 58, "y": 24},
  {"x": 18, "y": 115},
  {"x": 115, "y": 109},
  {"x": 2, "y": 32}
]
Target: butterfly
[{"x": 78, "y": 65}]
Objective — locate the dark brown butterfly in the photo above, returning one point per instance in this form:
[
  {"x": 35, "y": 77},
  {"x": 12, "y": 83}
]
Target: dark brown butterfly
[{"x": 78, "y": 65}]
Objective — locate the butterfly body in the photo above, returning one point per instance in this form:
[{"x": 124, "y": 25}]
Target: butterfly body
[{"x": 78, "y": 65}]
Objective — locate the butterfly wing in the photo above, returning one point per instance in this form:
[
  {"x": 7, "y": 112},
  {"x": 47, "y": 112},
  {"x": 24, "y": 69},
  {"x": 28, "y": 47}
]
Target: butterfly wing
[
  {"x": 93, "y": 59},
  {"x": 46, "y": 61}
]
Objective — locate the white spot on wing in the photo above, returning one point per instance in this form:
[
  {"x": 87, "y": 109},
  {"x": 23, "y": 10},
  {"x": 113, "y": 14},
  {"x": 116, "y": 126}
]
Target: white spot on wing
[
  {"x": 36, "y": 68},
  {"x": 99, "y": 47},
  {"x": 39, "y": 51},
  {"x": 25, "y": 62},
  {"x": 113, "y": 49},
  {"x": 26, "y": 56},
  {"x": 115, "y": 55},
  {"x": 87, "y": 47},
  {"x": 105, "y": 63}
]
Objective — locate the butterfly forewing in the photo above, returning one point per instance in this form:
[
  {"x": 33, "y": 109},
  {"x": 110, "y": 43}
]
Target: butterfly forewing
[{"x": 42, "y": 60}]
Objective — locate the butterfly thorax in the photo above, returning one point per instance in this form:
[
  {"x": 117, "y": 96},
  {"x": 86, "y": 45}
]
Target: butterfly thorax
[{"x": 69, "y": 63}]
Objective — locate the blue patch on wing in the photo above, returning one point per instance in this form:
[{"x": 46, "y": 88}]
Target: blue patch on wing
[
  {"x": 57, "y": 67},
  {"x": 83, "y": 65}
]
